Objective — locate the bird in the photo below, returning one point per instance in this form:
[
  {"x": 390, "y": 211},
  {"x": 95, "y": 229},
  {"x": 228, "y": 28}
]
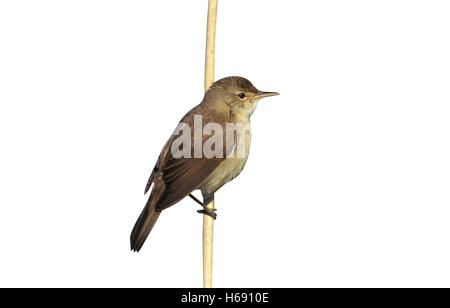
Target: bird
[{"x": 194, "y": 159}]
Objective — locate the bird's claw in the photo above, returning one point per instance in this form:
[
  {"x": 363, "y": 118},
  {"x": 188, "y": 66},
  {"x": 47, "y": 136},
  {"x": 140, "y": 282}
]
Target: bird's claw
[{"x": 209, "y": 212}]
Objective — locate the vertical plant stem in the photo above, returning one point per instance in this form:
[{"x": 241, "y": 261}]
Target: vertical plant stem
[{"x": 208, "y": 222}]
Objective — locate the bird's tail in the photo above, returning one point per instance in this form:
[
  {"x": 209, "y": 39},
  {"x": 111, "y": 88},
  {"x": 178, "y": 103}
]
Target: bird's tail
[{"x": 145, "y": 222}]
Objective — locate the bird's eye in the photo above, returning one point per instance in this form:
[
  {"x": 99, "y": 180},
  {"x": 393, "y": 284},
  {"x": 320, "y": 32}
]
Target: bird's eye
[{"x": 241, "y": 95}]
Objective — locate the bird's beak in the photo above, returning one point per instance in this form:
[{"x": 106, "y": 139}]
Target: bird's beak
[{"x": 262, "y": 94}]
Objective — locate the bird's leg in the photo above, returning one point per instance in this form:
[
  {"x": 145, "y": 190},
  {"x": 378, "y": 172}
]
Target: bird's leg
[
  {"x": 195, "y": 199},
  {"x": 206, "y": 210}
]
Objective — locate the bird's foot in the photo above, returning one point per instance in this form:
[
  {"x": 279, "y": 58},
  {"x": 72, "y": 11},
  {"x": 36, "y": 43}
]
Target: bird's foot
[
  {"x": 206, "y": 210},
  {"x": 209, "y": 212}
]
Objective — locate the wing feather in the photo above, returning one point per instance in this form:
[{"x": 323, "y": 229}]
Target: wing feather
[{"x": 181, "y": 176}]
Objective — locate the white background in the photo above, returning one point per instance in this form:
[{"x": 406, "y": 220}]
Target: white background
[{"x": 347, "y": 184}]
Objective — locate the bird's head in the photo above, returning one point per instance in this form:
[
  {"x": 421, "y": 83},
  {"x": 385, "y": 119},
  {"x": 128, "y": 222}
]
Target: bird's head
[{"x": 238, "y": 93}]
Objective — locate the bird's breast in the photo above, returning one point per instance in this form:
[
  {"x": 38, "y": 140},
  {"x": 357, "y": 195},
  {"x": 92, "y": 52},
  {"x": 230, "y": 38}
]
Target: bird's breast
[{"x": 231, "y": 166}]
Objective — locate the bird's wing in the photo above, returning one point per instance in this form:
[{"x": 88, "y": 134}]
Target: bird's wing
[{"x": 183, "y": 175}]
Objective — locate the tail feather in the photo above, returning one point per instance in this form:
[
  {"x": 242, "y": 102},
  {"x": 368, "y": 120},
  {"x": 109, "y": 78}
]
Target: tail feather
[
  {"x": 143, "y": 226},
  {"x": 146, "y": 221}
]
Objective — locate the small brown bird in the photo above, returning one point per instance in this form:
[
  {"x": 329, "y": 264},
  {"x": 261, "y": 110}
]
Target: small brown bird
[{"x": 198, "y": 159}]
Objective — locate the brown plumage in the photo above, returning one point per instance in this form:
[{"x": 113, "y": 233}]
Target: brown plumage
[{"x": 175, "y": 178}]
